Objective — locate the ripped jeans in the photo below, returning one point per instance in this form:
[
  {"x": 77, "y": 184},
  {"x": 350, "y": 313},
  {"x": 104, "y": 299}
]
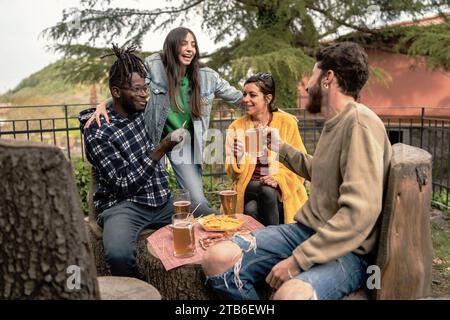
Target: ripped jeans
[{"x": 270, "y": 245}]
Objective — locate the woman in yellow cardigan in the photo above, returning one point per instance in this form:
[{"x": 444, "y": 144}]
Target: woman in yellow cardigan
[{"x": 266, "y": 189}]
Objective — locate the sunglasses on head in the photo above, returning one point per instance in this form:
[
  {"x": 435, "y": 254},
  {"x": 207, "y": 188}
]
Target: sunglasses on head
[{"x": 263, "y": 76}]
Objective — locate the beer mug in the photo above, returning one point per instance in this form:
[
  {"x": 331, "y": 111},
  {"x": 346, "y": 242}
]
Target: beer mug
[
  {"x": 181, "y": 200},
  {"x": 183, "y": 235},
  {"x": 254, "y": 142},
  {"x": 228, "y": 199}
]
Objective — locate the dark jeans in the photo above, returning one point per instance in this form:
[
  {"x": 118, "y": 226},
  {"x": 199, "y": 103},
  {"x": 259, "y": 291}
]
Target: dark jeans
[{"x": 261, "y": 202}]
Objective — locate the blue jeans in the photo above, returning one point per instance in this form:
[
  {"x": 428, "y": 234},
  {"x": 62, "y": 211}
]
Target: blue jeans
[
  {"x": 332, "y": 280},
  {"x": 122, "y": 225},
  {"x": 187, "y": 172}
]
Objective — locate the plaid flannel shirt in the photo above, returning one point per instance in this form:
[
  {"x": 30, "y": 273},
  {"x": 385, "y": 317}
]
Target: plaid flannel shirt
[{"x": 120, "y": 155}]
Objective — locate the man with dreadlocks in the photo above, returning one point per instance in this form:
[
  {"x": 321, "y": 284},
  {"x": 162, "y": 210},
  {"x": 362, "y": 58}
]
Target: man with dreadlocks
[{"x": 133, "y": 190}]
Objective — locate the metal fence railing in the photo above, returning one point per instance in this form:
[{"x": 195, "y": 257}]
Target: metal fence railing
[{"x": 58, "y": 125}]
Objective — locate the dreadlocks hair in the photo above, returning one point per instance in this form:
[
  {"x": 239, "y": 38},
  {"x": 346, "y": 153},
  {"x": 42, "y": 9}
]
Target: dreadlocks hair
[{"x": 127, "y": 63}]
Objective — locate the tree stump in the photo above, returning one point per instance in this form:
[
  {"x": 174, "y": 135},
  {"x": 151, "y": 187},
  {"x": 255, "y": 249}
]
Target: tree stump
[
  {"x": 186, "y": 282},
  {"x": 98, "y": 251},
  {"x": 43, "y": 243},
  {"x": 405, "y": 250},
  {"x": 95, "y": 232},
  {"x": 124, "y": 288}
]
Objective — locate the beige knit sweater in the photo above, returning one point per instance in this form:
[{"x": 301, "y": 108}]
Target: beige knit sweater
[{"x": 348, "y": 174}]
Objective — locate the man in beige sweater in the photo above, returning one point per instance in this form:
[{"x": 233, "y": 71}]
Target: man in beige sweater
[{"x": 325, "y": 254}]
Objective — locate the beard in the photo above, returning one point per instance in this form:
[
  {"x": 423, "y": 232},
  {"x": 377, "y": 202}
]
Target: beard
[
  {"x": 127, "y": 105},
  {"x": 315, "y": 96}
]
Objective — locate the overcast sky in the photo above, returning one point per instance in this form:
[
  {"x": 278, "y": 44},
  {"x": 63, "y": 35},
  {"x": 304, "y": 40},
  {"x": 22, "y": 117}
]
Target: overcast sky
[{"x": 23, "y": 50}]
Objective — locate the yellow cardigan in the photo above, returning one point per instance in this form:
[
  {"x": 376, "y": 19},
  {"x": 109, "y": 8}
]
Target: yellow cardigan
[{"x": 293, "y": 193}]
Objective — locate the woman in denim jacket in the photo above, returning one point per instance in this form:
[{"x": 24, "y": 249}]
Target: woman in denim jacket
[{"x": 181, "y": 95}]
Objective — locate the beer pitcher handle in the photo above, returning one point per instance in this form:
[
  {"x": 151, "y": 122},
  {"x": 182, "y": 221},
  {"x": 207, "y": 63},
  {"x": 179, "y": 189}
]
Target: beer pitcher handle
[{"x": 192, "y": 235}]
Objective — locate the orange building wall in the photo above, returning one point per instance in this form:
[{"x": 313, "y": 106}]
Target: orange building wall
[{"x": 411, "y": 87}]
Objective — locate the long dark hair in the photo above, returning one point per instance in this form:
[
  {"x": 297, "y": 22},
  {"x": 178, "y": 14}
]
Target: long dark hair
[{"x": 171, "y": 51}]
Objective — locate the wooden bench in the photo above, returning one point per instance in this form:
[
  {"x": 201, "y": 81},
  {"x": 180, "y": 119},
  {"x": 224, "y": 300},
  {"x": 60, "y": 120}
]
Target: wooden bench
[
  {"x": 44, "y": 248},
  {"x": 405, "y": 249},
  {"x": 403, "y": 255}
]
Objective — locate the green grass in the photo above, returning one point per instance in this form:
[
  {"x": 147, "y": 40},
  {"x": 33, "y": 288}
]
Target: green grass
[
  {"x": 441, "y": 246},
  {"x": 444, "y": 199}
]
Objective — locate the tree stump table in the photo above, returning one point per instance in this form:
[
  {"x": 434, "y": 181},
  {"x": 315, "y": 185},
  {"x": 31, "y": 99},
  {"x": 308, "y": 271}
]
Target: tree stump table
[
  {"x": 124, "y": 288},
  {"x": 184, "y": 278},
  {"x": 186, "y": 282}
]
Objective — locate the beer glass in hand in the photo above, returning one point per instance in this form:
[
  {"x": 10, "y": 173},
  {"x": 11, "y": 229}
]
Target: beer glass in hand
[
  {"x": 254, "y": 142},
  {"x": 181, "y": 200}
]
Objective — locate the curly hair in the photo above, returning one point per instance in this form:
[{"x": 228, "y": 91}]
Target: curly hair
[{"x": 349, "y": 63}]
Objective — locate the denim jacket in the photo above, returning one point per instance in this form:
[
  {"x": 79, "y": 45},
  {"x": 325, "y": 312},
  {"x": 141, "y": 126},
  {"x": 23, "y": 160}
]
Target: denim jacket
[{"x": 211, "y": 86}]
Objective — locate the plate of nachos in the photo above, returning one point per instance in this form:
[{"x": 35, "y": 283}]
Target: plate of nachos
[{"x": 214, "y": 222}]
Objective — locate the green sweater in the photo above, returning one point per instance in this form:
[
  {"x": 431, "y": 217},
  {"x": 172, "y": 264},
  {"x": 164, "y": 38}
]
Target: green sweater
[
  {"x": 175, "y": 118},
  {"x": 348, "y": 174}
]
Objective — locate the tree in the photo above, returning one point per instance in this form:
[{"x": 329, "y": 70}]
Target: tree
[
  {"x": 44, "y": 248},
  {"x": 276, "y": 36}
]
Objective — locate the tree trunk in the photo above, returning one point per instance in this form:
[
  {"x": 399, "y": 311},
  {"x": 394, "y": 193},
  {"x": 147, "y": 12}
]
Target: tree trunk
[
  {"x": 405, "y": 251},
  {"x": 125, "y": 288},
  {"x": 44, "y": 251},
  {"x": 96, "y": 244},
  {"x": 186, "y": 282}
]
